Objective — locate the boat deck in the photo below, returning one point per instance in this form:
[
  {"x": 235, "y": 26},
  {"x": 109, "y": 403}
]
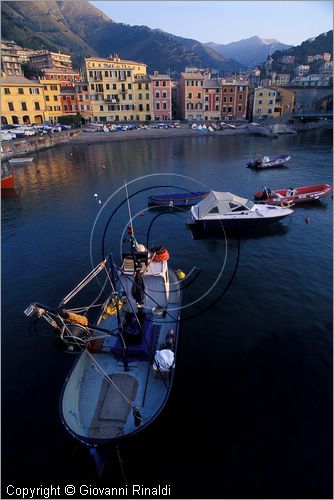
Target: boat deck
[{"x": 100, "y": 395}]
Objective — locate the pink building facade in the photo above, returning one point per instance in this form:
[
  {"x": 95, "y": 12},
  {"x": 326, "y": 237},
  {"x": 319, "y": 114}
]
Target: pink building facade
[{"x": 162, "y": 96}]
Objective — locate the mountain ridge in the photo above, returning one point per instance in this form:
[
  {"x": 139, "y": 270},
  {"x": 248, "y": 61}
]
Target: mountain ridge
[
  {"x": 66, "y": 26},
  {"x": 250, "y": 51}
]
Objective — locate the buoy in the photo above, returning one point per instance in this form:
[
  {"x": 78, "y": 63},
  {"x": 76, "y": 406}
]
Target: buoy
[
  {"x": 100, "y": 202},
  {"x": 142, "y": 213},
  {"x": 180, "y": 274},
  {"x": 95, "y": 195},
  {"x": 307, "y": 219}
]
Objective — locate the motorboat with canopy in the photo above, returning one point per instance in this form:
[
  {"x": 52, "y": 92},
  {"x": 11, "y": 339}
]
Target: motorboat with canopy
[{"x": 223, "y": 210}]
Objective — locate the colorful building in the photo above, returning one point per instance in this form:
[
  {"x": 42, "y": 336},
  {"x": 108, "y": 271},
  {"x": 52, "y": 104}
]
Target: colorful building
[
  {"x": 69, "y": 100},
  {"x": 67, "y": 77},
  {"x": 284, "y": 103},
  {"x": 22, "y": 101},
  {"x": 83, "y": 99},
  {"x": 234, "y": 99},
  {"x": 112, "y": 88},
  {"x": 48, "y": 59},
  {"x": 10, "y": 62},
  {"x": 280, "y": 78},
  {"x": 191, "y": 95},
  {"x": 53, "y": 103},
  {"x": 143, "y": 99},
  {"x": 202, "y": 97},
  {"x": 302, "y": 69},
  {"x": 212, "y": 99},
  {"x": 162, "y": 96},
  {"x": 264, "y": 102}
]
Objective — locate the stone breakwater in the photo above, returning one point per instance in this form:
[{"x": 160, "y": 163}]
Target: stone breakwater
[{"x": 29, "y": 145}]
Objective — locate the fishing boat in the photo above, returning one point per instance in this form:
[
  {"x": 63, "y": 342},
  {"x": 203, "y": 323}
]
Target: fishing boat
[
  {"x": 269, "y": 161},
  {"x": 20, "y": 160},
  {"x": 298, "y": 195},
  {"x": 123, "y": 376},
  {"x": 177, "y": 199},
  {"x": 221, "y": 211},
  {"x": 7, "y": 179}
]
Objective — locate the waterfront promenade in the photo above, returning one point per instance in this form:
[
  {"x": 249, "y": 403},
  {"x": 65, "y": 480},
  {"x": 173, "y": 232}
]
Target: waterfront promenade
[{"x": 78, "y": 136}]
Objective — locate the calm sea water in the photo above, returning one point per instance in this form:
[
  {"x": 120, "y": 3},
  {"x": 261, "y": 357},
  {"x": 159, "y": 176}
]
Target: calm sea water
[{"x": 250, "y": 415}]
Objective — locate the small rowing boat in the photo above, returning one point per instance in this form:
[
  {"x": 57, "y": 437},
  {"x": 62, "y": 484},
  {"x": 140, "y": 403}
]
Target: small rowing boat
[
  {"x": 20, "y": 160},
  {"x": 177, "y": 199},
  {"x": 285, "y": 197}
]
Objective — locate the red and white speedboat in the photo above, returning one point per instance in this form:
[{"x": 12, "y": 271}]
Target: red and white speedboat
[{"x": 286, "y": 197}]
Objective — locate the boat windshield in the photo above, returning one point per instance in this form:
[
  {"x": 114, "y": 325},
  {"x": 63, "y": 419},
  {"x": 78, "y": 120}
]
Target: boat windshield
[
  {"x": 238, "y": 208},
  {"x": 249, "y": 204}
]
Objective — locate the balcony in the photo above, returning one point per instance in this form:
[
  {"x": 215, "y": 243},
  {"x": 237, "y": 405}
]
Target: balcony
[{"x": 111, "y": 100}]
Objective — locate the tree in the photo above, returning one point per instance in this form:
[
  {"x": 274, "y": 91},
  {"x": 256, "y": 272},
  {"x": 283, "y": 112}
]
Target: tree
[{"x": 70, "y": 119}]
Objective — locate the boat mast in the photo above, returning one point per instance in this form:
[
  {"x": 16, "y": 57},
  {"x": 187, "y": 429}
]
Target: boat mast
[{"x": 133, "y": 239}]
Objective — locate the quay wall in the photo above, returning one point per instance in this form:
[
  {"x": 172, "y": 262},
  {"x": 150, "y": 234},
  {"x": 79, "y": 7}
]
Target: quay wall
[{"x": 28, "y": 145}]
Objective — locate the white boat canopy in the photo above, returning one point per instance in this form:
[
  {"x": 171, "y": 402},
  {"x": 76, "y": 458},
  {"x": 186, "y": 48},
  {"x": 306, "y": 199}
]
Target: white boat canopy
[{"x": 221, "y": 203}]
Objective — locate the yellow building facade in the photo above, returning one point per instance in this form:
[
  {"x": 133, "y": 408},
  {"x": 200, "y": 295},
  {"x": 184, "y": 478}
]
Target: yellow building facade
[
  {"x": 143, "y": 99},
  {"x": 114, "y": 91},
  {"x": 52, "y": 99},
  {"x": 22, "y": 101},
  {"x": 285, "y": 101},
  {"x": 264, "y": 102}
]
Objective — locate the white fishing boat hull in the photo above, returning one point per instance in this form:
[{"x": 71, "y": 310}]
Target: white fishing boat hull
[{"x": 95, "y": 403}]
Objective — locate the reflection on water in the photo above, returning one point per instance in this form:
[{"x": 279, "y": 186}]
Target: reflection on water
[{"x": 253, "y": 376}]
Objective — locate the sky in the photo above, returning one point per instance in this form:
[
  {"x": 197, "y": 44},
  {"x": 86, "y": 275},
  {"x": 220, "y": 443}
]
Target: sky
[{"x": 225, "y": 21}]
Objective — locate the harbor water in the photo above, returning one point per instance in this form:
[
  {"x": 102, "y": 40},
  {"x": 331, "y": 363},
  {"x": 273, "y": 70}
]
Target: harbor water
[{"x": 250, "y": 414}]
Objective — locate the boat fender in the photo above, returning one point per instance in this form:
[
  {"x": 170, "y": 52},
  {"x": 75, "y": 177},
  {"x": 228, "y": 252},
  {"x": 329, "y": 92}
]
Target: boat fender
[
  {"x": 161, "y": 256},
  {"x": 75, "y": 318},
  {"x": 111, "y": 308},
  {"x": 180, "y": 274}
]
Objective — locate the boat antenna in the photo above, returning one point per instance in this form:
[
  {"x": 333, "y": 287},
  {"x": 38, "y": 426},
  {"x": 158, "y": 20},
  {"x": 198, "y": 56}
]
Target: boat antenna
[{"x": 129, "y": 210}]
